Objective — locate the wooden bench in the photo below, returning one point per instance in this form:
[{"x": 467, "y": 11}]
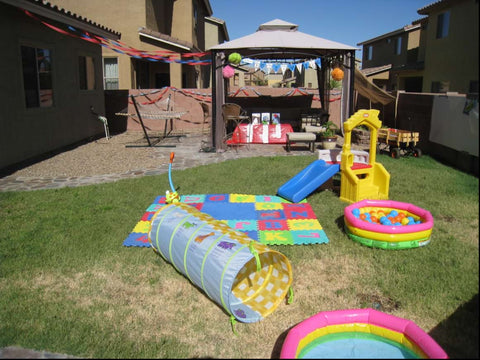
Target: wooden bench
[{"x": 301, "y": 137}]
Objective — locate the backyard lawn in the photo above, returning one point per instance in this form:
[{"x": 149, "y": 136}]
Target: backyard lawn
[{"x": 69, "y": 285}]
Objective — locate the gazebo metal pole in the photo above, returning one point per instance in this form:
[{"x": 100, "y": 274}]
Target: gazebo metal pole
[
  {"x": 213, "y": 64},
  {"x": 219, "y": 101},
  {"x": 352, "y": 83},
  {"x": 321, "y": 92},
  {"x": 325, "y": 82}
]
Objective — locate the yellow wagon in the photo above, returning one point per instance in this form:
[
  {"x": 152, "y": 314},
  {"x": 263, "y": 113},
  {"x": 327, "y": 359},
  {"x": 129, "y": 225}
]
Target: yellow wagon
[{"x": 398, "y": 142}]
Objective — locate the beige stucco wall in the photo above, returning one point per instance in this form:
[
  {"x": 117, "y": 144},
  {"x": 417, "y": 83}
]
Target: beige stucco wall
[
  {"x": 29, "y": 132},
  {"x": 458, "y": 65},
  {"x": 383, "y": 50},
  {"x": 182, "y": 20},
  {"x": 127, "y": 16},
  {"x": 413, "y": 38},
  {"x": 311, "y": 78}
]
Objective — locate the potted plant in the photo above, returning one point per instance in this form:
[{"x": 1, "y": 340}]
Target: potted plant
[{"x": 328, "y": 137}]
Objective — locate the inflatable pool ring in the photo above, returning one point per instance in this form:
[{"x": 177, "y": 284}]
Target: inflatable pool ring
[
  {"x": 412, "y": 234},
  {"x": 359, "y": 333}
]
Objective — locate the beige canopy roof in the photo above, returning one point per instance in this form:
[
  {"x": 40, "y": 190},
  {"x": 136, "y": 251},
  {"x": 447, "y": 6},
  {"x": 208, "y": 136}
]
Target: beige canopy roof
[{"x": 278, "y": 34}]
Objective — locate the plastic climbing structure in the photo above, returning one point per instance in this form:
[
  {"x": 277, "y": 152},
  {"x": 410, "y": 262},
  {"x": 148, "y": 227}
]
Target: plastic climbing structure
[{"x": 362, "y": 181}]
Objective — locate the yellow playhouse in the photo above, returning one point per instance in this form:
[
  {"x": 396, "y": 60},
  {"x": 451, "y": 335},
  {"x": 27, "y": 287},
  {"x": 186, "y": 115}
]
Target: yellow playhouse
[{"x": 362, "y": 181}]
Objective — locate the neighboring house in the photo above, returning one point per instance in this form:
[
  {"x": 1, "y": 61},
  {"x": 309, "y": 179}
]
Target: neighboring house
[
  {"x": 451, "y": 53},
  {"x": 152, "y": 25},
  {"x": 438, "y": 53},
  {"x": 215, "y": 33},
  {"x": 51, "y": 81},
  {"x": 397, "y": 52},
  {"x": 307, "y": 78}
]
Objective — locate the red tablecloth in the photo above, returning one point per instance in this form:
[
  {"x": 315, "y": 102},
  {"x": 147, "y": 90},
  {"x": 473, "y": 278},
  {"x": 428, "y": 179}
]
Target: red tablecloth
[{"x": 260, "y": 134}]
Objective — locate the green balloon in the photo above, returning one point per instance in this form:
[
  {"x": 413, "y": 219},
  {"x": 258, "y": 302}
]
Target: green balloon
[{"x": 234, "y": 58}]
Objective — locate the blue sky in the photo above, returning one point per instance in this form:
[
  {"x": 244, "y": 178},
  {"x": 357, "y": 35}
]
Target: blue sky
[{"x": 346, "y": 21}]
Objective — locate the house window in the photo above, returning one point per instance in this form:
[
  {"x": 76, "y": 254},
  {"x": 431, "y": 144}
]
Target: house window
[
  {"x": 86, "y": 71},
  {"x": 398, "y": 46},
  {"x": 440, "y": 86},
  {"x": 37, "y": 77},
  {"x": 110, "y": 74},
  {"x": 369, "y": 52},
  {"x": 443, "y": 20}
]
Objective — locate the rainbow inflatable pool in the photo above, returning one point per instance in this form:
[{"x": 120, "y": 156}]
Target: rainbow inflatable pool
[
  {"x": 411, "y": 231},
  {"x": 359, "y": 333}
]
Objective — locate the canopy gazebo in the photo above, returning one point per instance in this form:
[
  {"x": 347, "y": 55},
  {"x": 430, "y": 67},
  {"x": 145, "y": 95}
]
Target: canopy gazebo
[{"x": 278, "y": 40}]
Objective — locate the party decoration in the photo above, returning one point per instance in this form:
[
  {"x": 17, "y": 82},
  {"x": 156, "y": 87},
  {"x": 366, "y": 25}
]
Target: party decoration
[
  {"x": 228, "y": 72},
  {"x": 234, "y": 58},
  {"x": 337, "y": 74},
  {"x": 121, "y": 48}
]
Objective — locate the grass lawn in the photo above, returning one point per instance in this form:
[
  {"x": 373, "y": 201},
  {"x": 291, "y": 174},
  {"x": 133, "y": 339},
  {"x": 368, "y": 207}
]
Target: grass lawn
[{"x": 69, "y": 286}]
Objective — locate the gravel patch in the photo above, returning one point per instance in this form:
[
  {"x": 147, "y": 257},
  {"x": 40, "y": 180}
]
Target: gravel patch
[{"x": 101, "y": 157}]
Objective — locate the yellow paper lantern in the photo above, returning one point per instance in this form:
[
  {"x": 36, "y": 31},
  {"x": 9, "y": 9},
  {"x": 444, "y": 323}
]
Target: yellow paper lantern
[{"x": 337, "y": 74}]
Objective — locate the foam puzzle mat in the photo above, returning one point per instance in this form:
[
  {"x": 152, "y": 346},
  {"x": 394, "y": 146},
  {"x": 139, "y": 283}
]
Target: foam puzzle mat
[{"x": 268, "y": 219}]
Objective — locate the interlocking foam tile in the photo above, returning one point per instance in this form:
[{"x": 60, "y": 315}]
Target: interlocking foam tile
[{"x": 268, "y": 219}]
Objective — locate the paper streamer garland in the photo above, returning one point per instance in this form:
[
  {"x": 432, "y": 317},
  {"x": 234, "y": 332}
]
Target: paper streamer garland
[{"x": 119, "y": 47}]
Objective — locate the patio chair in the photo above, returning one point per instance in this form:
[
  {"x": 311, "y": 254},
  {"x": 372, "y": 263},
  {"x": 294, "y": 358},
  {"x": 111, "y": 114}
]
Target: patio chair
[{"x": 233, "y": 113}]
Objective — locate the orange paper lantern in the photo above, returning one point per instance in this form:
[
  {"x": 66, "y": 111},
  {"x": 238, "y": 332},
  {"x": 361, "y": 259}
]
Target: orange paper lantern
[{"x": 337, "y": 74}]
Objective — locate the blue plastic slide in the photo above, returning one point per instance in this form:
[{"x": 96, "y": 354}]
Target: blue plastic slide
[{"x": 308, "y": 180}]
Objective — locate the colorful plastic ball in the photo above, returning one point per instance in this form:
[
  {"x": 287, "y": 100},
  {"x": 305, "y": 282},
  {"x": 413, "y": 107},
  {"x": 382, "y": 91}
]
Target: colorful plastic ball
[
  {"x": 234, "y": 58},
  {"x": 228, "y": 72},
  {"x": 356, "y": 212},
  {"x": 385, "y": 221},
  {"x": 393, "y": 213},
  {"x": 405, "y": 221}
]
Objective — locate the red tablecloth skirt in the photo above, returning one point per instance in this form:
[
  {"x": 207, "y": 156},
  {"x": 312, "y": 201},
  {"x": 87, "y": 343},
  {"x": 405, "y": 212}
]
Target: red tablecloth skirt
[{"x": 260, "y": 134}]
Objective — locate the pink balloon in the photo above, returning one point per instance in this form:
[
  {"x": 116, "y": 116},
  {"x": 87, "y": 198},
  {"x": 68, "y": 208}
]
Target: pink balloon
[{"x": 228, "y": 72}]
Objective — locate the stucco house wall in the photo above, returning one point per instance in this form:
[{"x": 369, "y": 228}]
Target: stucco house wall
[
  {"x": 454, "y": 58},
  {"x": 182, "y": 20},
  {"x": 28, "y": 132}
]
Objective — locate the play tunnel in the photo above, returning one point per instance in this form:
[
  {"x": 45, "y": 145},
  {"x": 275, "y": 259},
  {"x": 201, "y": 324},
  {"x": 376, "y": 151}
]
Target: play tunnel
[{"x": 245, "y": 277}]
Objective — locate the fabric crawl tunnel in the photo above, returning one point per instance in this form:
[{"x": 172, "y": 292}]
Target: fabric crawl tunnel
[{"x": 245, "y": 277}]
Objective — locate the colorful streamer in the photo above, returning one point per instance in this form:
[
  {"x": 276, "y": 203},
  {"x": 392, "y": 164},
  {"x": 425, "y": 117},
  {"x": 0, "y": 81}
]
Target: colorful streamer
[{"x": 121, "y": 48}]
